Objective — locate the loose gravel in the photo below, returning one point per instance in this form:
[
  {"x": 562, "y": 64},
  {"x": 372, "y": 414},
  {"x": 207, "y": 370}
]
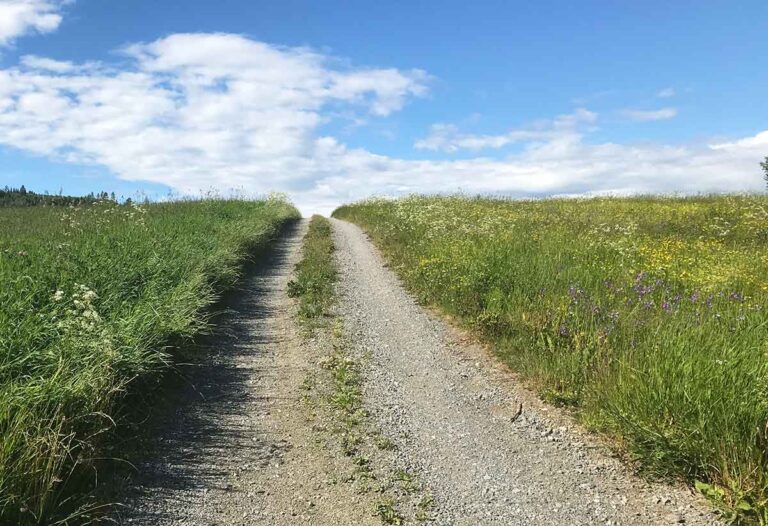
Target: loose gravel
[{"x": 454, "y": 414}]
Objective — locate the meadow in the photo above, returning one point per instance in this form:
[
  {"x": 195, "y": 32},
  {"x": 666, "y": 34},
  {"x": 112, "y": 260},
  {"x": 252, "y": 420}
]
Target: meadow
[
  {"x": 647, "y": 316},
  {"x": 94, "y": 301}
]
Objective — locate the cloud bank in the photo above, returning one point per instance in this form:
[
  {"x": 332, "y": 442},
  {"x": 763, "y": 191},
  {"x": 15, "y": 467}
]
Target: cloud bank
[{"x": 201, "y": 111}]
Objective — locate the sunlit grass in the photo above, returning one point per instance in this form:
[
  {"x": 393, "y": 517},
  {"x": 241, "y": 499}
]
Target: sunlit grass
[
  {"x": 91, "y": 299},
  {"x": 647, "y": 315}
]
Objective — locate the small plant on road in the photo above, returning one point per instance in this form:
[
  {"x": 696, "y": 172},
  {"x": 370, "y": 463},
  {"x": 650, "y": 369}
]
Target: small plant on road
[{"x": 387, "y": 512}]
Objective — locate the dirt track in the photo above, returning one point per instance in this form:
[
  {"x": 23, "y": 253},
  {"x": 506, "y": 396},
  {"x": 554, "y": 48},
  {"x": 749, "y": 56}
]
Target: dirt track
[{"x": 244, "y": 448}]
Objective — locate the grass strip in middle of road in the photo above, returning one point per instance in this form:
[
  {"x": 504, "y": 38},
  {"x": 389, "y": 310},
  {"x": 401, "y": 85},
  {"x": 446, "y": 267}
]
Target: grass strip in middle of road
[
  {"x": 334, "y": 392},
  {"x": 315, "y": 274}
]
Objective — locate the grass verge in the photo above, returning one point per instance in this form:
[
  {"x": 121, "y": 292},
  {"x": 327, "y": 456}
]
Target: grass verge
[
  {"x": 646, "y": 315},
  {"x": 93, "y": 302}
]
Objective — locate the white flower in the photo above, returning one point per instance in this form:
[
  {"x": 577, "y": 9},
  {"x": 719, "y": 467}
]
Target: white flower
[
  {"x": 89, "y": 295},
  {"x": 58, "y": 295}
]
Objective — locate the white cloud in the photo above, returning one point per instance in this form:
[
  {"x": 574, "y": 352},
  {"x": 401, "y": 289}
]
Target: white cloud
[
  {"x": 200, "y": 111},
  {"x": 20, "y": 17},
  {"x": 447, "y": 137},
  {"x": 650, "y": 115},
  {"x": 666, "y": 93},
  {"x": 47, "y": 64}
]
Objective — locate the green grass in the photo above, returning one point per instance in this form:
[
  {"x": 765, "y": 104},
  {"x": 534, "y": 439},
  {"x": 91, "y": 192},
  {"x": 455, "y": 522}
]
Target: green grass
[
  {"x": 93, "y": 300},
  {"x": 315, "y": 273},
  {"x": 646, "y": 315}
]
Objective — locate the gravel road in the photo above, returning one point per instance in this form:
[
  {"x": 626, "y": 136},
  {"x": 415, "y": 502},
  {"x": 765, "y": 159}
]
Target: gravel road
[
  {"x": 243, "y": 444},
  {"x": 450, "y": 409}
]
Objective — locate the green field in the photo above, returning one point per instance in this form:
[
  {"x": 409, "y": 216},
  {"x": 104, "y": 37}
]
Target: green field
[
  {"x": 647, "y": 315},
  {"x": 93, "y": 300}
]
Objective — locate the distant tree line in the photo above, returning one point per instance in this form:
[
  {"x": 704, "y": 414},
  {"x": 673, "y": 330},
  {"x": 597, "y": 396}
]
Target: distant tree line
[
  {"x": 764, "y": 166},
  {"x": 23, "y": 197}
]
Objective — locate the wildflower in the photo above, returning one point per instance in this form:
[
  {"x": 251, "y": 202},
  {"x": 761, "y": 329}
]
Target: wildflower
[
  {"x": 58, "y": 295},
  {"x": 89, "y": 295},
  {"x": 695, "y": 297}
]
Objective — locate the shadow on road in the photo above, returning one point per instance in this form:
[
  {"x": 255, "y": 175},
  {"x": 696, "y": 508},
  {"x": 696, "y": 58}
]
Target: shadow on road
[{"x": 206, "y": 420}]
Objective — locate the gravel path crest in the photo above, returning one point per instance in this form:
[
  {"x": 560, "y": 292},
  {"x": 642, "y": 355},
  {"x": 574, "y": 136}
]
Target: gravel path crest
[{"x": 450, "y": 409}]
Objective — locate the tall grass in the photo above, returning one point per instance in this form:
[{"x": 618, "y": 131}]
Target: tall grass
[
  {"x": 91, "y": 299},
  {"x": 647, "y": 315}
]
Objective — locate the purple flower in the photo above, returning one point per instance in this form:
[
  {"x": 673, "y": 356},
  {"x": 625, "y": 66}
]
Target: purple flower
[
  {"x": 643, "y": 290},
  {"x": 666, "y": 306},
  {"x": 695, "y": 297}
]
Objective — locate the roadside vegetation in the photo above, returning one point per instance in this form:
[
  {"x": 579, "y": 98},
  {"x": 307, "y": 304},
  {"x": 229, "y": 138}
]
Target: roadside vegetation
[
  {"x": 646, "y": 315},
  {"x": 93, "y": 301}
]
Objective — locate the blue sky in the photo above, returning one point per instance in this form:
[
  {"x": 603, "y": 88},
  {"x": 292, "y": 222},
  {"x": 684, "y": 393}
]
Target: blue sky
[{"x": 521, "y": 98}]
